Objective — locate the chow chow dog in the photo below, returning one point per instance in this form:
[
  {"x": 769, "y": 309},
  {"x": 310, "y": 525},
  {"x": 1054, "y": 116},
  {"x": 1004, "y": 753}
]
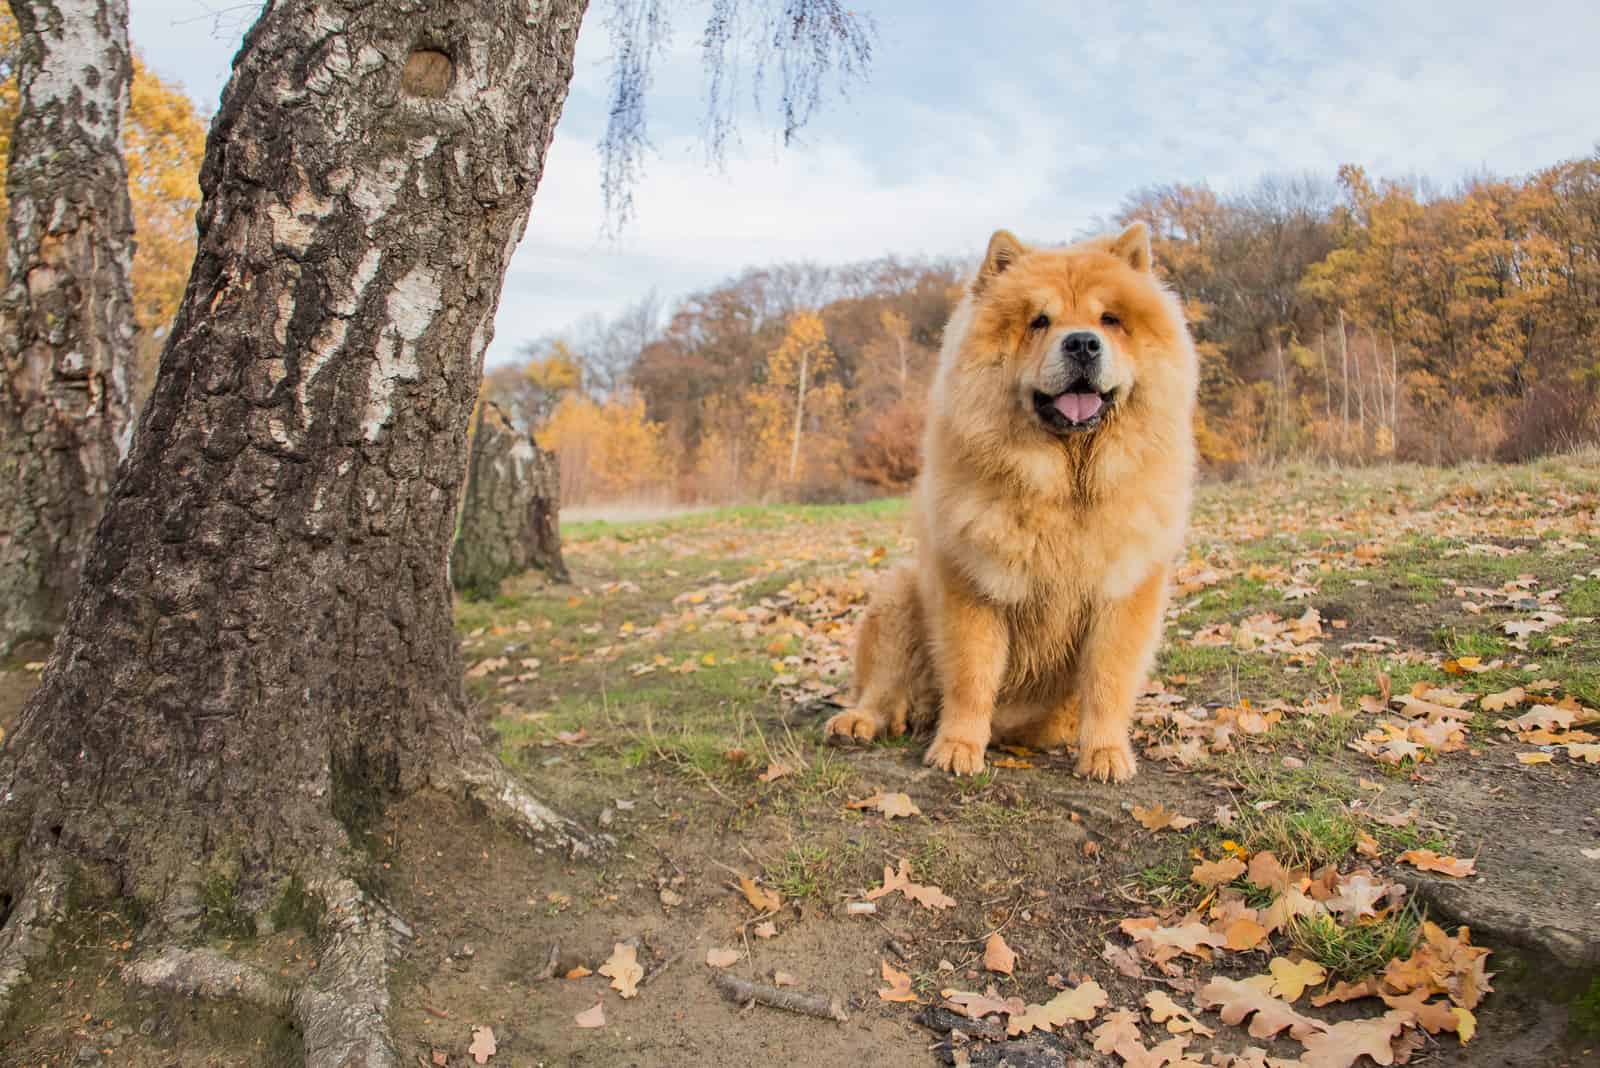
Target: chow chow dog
[{"x": 1058, "y": 465}]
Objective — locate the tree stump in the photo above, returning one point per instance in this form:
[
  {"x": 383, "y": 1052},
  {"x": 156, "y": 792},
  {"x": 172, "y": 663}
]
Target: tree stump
[{"x": 509, "y": 520}]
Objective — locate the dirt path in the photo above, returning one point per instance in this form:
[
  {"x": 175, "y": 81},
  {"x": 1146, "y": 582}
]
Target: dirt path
[{"x": 673, "y": 696}]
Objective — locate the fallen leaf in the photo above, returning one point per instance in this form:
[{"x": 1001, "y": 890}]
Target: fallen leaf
[
  {"x": 891, "y": 805},
  {"x": 1160, "y": 818},
  {"x": 1290, "y": 978},
  {"x": 1217, "y": 872},
  {"x": 997, "y": 956},
  {"x": 899, "y": 988},
  {"x": 439, "y": 1058},
  {"x": 762, "y": 900},
  {"x": 1244, "y": 934},
  {"x": 784, "y": 979},
  {"x": 765, "y": 929},
  {"x": 929, "y": 897},
  {"x": 722, "y": 958},
  {"x": 624, "y": 969},
  {"x": 482, "y": 1047},
  {"x": 1267, "y": 873},
  {"x": 1358, "y": 896},
  {"x": 578, "y": 972},
  {"x": 1589, "y": 754},
  {"x": 1428, "y": 860},
  {"x": 1342, "y": 1044},
  {"x": 1466, "y": 1024},
  {"x": 774, "y": 772},
  {"x": 1235, "y": 999},
  {"x": 592, "y": 1017},
  {"x": 1498, "y": 702},
  {"x": 1011, "y": 762},
  {"x": 1177, "y": 1018},
  {"x": 1080, "y": 1003},
  {"x": 977, "y": 1006},
  {"x": 1534, "y": 758},
  {"x": 1117, "y": 1030}
]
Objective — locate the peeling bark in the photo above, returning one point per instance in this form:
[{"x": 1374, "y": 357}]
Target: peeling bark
[
  {"x": 510, "y": 510},
  {"x": 66, "y": 313},
  {"x": 262, "y": 645}
]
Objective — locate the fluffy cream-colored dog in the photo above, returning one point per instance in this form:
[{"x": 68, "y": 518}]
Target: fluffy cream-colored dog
[{"x": 1057, "y": 471}]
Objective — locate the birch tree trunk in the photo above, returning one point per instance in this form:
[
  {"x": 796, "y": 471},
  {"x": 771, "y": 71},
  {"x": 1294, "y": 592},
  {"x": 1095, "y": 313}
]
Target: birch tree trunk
[
  {"x": 262, "y": 642},
  {"x": 66, "y": 314},
  {"x": 799, "y": 414},
  {"x": 510, "y": 510}
]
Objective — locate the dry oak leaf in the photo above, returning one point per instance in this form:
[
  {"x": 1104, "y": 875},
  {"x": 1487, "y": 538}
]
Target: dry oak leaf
[
  {"x": 774, "y": 772},
  {"x": 1236, "y": 999},
  {"x": 1589, "y": 754},
  {"x": 1266, "y": 872},
  {"x": 1160, "y": 818},
  {"x": 976, "y": 1006},
  {"x": 1244, "y": 934},
  {"x": 578, "y": 972},
  {"x": 1358, "y": 896},
  {"x": 1499, "y": 702},
  {"x": 624, "y": 969},
  {"x": 1428, "y": 860},
  {"x": 1177, "y": 1018},
  {"x": 899, "y": 988},
  {"x": 762, "y": 900},
  {"x": 766, "y": 929},
  {"x": 1080, "y": 1003},
  {"x": 592, "y": 1017},
  {"x": 891, "y": 805},
  {"x": 997, "y": 956},
  {"x": 929, "y": 897},
  {"x": 1185, "y": 938},
  {"x": 1534, "y": 758},
  {"x": 1290, "y": 978},
  {"x": 482, "y": 1047},
  {"x": 1431, "y": 1016},
  {"x": 1342, "y": 1044},
  {"x": 1119, "y": 1029},
  {"x": 1217, "y": 872},
  {"x": 719, "y": 957}
]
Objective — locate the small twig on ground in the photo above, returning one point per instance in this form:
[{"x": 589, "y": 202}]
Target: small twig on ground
[
  {"x": 658, "y": 968},
  {"x": 744, "y": 991},
  {"x": 551, "y": 963}
]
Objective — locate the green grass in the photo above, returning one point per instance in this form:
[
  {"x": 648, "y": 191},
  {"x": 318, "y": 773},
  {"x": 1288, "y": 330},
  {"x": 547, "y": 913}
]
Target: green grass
[{"x": 1354, "y": 951}]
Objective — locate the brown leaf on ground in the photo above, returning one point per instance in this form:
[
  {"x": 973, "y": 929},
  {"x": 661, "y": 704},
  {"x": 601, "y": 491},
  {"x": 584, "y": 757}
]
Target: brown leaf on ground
[
  {"x": 890, "y": 805},
  {"x": 1499, "y": 702},
  {"x": 1342, "y": 991},
  {"x": 1160, "y": 818},
  {"x": 1244, "y": 934},
  {"x": 592, "y": 1017},
  {"x": 1342, "y": 1044},
  {"x": 1290, "y": 978},
  {"x": 1267, "y": 873},
  {"x": 1428, "y": 860},
  {"x": 719, "y": 957},
  {"x": 624, "y": 969},
  {"x": 775, "y": 772},
  {"x": 1177, "y": 1018},
  {"x": 899, "y": 988},
  {"x": 784, "y": 979},
  {"x": 1217, "y": 872},
  {"x": 578, "y": 972},
  {"x": 483, "y": 1046},
  {"x": 1080, "y": 1003},
  {"x": 997, "y": 956},
  {"x": 977, "y": 1006},
  {"x": 929, "y": 897},
  {"x": 765, "y": 929},
  {"x": 760, "y": 898},
  {"x": 1236, "y": 999},
  {"x": 1120, "y": 1028},
  {"x": 1358, "y": 896}
]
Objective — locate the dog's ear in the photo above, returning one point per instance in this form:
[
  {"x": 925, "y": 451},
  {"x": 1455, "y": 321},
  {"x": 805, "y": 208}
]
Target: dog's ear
[
  {"x": 1004, "y": 250},
  {"x": 1133, "y": 246}
]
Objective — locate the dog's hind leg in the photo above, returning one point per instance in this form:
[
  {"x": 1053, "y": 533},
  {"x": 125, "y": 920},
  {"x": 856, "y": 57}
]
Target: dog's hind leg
[{"x": 888, "y": 648}]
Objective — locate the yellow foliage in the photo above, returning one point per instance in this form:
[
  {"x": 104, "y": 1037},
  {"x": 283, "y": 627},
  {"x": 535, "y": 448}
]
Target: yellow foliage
[
  {"x": 798, "y": 409},
  {"x": 607, "y": 451}
]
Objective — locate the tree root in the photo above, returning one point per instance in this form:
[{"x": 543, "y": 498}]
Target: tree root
[
  {"x": 488, "y": 781},
  {"x": 26, "y": 934},
  {"x": 341, "y": 1009}
]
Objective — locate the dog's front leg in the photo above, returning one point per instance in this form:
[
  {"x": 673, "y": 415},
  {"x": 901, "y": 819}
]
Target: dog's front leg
[
  {"x": 971, "y": 648},
  {"x": 1117, "y": 655}
]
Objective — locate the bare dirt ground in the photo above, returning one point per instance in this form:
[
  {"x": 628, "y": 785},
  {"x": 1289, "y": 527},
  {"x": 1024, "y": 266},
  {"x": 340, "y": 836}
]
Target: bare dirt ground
[{"x": 1361, "y": 667}]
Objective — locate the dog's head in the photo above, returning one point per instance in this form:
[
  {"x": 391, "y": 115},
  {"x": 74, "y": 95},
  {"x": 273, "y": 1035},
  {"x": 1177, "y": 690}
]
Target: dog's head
[{"x": 1067, "y": 343}]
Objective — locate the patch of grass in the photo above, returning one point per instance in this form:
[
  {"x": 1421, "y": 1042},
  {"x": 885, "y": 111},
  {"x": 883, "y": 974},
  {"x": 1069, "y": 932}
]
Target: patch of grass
[
  {"x": 1471, "y": 642},
  {"x": 297, "y": 908},
  {"x": 1360, "y": 949},
  {"x": 810, "y": 870},
  {"x": 222, "y": 915},
  {"x": 1323, "y": 833},
  {"x": 1166, "y": 881},
  {"x": 1401, "y": 839}
]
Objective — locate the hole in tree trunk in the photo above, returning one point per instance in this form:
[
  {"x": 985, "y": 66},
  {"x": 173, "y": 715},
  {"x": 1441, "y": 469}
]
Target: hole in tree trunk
[{"x": 427, "y": 73}]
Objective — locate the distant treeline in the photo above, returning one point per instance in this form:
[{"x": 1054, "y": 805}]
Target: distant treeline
[{"x": 1352, "y": 319}]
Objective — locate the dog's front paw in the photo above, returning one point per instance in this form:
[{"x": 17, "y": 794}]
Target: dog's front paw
[
  {"x": 850, "y": 727},
  {"x": 1108, "y": 763},
  {"x": 955, "y": 755}
]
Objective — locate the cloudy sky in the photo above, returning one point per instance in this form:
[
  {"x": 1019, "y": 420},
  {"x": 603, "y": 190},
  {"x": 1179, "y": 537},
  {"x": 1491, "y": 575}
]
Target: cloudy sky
[{"x": 1038, "y": 116}]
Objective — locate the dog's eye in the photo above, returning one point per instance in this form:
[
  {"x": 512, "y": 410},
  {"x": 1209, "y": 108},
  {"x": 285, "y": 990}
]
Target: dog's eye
[
  {"x": 1108, "y": 319},
  {"x": 1040, "y": 322}
]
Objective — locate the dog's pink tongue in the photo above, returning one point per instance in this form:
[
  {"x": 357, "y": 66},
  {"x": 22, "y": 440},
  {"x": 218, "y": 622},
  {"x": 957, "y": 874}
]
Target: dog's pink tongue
[{"x": 1078, "y": 407}]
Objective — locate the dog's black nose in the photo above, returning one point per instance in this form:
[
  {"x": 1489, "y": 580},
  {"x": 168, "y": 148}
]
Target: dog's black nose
[{"x": 1081, "y": 345}]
